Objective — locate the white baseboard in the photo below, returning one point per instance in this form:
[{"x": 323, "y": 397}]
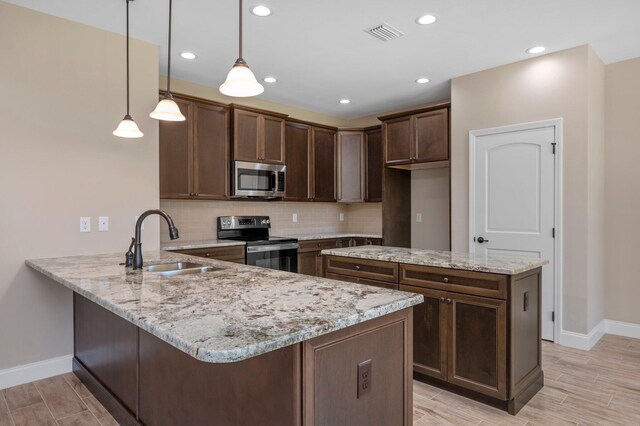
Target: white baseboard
[
  {"x": 620, "y": 328},
  {"x": 582, "y": 341},
  {"x": 35, "y": 371}
]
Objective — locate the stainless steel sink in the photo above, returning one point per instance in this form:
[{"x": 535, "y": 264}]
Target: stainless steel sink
[{"x": 181, "y": 268}]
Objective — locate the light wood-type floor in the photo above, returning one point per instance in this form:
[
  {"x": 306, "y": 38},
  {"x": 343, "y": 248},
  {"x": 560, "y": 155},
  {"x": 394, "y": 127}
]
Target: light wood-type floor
[{"x": 599, "y": 387}]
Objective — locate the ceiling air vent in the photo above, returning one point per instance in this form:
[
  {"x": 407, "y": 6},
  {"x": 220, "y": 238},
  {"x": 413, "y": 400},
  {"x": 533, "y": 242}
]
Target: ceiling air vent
[{"x": 384, "y": 32}]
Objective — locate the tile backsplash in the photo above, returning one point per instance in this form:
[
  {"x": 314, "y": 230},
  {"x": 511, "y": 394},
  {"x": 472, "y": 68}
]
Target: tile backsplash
[{"x": 196, "y": 219}]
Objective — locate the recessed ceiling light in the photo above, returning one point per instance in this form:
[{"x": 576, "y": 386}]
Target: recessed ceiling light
[
  {"x": 261, "y": 11},
  {"x": 422, "y": 80},
  {"x": 426, "y": 20},
  {"x": 188, "y": 55},
  {"x": 345, "y": 101},
  {"x": 537, "y": 49},
  {"x": 270, "y": 79}
]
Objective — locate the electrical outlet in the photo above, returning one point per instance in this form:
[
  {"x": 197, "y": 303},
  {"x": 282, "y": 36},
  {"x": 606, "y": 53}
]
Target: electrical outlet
[
  {"x": 364, "y": 377},
  {"x": 341, "y": 217},
  {"x": 294, "y": 217},
  {"x": 85, "y": 224},
  {"x": 103, "y": 223},
  {"x": 418, "y": 217}
]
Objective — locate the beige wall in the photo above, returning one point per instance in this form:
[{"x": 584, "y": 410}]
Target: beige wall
[
  {"x": 622, "y": 185},
  {"x": 550, "y": 86},
  {"x": 62, "y": 96},
  {"x": 430, "y": 196},
  {"x": 196, "y": 220}
]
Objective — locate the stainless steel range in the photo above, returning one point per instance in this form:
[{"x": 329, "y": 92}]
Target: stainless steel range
[{"x": 261, "y": 249}]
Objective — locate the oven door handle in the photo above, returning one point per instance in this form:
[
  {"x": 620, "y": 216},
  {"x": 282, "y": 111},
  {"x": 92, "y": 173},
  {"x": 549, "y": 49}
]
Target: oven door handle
[{"x": 272, "y": 247}]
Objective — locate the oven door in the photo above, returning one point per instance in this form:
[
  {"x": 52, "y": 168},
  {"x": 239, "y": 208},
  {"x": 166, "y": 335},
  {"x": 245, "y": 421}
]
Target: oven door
[
  {"x": 283, "y": 257},
  {"x": 257, "y": 180}
]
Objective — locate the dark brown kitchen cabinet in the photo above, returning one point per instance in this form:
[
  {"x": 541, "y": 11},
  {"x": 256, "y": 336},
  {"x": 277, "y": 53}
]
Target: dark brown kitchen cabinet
[
  {"x": 310, "y": 257},
  {"x": 351, "y": 167},
  {"x": 297, "y": 144},
  {"x": 194, "y": 154},
  {"x": 235, "y": 254},
  {"x": 417, "y": 137},
  {"x": 374, "y": 164},
  {"x": 258, "y": 135},
  {"x": 324, "y": 164}
]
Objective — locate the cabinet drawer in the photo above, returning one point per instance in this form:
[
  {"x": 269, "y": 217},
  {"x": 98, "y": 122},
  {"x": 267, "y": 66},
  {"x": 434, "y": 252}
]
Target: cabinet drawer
[
  {"x": 317, "y": 245},
  {"x": 364, "y": 281},
  {"x": 229, "y": 254},
  {"x": 455, "y": 280},
  {"x": 363, "y": 268}
]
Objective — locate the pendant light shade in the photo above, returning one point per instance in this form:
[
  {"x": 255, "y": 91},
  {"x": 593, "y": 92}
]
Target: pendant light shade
[
  {"x": 127, "y": 127},
  {"x": 241, "y": 82},
  {"x": 167, "y": 109}
]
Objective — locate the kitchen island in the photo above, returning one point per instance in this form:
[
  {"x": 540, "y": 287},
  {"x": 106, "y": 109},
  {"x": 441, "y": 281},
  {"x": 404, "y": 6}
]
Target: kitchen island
[
  {"x": 478, "y": 333},
  {"x": 237, "y": 344}
]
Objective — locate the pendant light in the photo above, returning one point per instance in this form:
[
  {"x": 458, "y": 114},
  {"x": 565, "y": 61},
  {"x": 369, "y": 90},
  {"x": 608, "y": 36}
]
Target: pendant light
[
  {"x": 167, "y": 109},
  {"x": 127, "y": 127},
  {"x": 241, "y": 82}
]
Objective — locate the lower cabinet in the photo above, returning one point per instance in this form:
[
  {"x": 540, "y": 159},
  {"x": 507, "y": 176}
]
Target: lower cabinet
[
  {"x": 310, "y": 260},
  {"x": 235, "y": 254}
]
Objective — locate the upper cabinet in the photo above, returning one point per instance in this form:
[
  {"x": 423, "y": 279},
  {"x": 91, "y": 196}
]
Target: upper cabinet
[
  {"x": 351, "y": 166},
  {"x": 418, "y": 137},
  {"x": 194, "y": 154},
  {"x": 374, "y": 164},
  {"x": 297, "y": 142},
  {"x": 323, "y": 141},
  {"x": 258, "y": 136}
]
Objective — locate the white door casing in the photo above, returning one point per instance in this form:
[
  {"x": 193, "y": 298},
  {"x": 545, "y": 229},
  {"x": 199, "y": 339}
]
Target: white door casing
[{"x": 515, "y": 199}]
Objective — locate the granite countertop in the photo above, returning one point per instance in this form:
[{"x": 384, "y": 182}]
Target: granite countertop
[
  {"x": 441, "y": 259},
  {"x": 227, "y": 315},
  {"x": 196, "y": 244}
]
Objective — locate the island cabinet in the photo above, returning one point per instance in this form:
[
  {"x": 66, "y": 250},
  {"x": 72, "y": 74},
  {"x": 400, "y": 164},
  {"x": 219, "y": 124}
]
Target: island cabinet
[
  {"x": 359, "y": 375},
  {"x": 412, "y": 139},
  {"x": 235, "y": 254},
  {"x": 194, "y": 154},
  {"x": 476, "y": 333},
  {"x": 257, "y": 135}
]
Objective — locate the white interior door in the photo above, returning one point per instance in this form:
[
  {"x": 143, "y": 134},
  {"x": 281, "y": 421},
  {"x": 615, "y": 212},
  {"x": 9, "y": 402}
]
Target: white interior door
[{"x": 513, "y": 200}]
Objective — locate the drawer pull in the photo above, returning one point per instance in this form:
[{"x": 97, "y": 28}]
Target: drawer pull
[
  {"x": 446, "y": 280},
  {"x": 207, "y": 255},
  {"x": 449, "y": 301},
  {"x": 442, "y": 299},
  {"x": 357, "y": 267}
]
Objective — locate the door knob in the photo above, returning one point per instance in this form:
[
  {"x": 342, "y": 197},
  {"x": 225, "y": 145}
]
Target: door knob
[{"x": 482, "y": 240}]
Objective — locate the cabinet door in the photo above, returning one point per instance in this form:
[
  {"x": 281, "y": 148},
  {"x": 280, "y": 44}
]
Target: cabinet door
[
  {"x": 211, "y": 151},
  {"x": 272, "y": 139},
  {"x": 430, "y": 332},
  {"x": 432, "y": 136},
  {"x": 324, "y": 164},
  {"x": 398, "y": 140},
  {"x": 176, "y": 155},
  {"x": 308, "y": 263},
  {"x": 351, "y": 171},
  {"x": 246, "y": 135},
  {"x": 297, "y": 142},
  {"x": 374, "y": 165},
  {"x": 477, "y": 344}
]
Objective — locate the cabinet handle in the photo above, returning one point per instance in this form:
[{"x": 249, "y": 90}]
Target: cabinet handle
[
  {"x": 357, "y": 267},
  {"x": 446, "y": 280},
  {"x": 449, "y": 301},
  {"x": 207, "y": 255},
  {"x": 442, "y": 299}
]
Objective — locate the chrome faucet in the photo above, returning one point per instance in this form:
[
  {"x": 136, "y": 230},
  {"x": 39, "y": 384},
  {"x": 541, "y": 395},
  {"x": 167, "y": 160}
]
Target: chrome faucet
[{"x": 137, "y": 240}]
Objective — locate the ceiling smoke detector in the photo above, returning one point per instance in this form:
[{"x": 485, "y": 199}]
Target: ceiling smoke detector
[{"x": 384, "y": 32}]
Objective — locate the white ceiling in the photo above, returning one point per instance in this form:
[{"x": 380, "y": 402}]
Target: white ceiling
[{"x": 320, "y": 53}]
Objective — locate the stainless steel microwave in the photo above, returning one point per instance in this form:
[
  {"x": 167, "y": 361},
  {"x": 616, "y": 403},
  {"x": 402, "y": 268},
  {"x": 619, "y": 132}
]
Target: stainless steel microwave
[{"x": 258, "y": 180}]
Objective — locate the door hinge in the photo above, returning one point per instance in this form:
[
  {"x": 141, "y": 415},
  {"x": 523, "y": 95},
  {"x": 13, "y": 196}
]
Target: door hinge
[
  {"x": 553, "y": 316},
  {"x": 553, "y": 147},
  {"x": 553, "y": 232}
]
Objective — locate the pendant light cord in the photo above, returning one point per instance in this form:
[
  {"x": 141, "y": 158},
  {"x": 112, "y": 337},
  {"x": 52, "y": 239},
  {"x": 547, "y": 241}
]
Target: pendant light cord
[
  {"x": 240, "y": 37},
  {"x": 168, "y": 95},
  {"x": 128, "y": 58}
]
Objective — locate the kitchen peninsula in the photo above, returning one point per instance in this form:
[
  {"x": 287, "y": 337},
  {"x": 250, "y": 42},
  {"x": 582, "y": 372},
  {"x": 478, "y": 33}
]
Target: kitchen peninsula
[
  {"x": 478, "y": 332},
  {"x": 236, "y": 344}
]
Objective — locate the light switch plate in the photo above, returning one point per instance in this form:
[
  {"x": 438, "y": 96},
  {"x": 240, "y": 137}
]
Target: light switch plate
[
  {"x": 85, "y": 224},
  {"x": 103, "y": 223},
  {"x": 418, "y": 217},
  {"x": 294, "y": 217}
]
